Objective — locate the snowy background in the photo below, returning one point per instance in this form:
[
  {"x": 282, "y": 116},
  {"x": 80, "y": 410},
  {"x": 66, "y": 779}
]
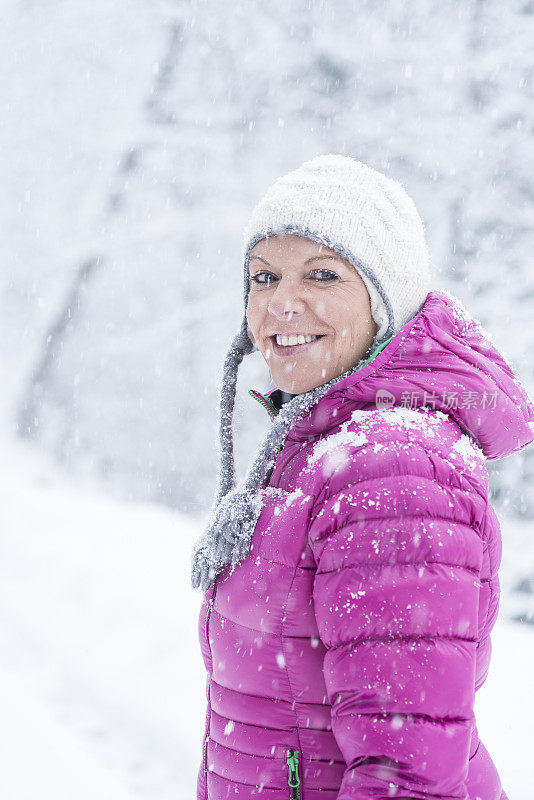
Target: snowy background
[{"x": 136, "y": 139}]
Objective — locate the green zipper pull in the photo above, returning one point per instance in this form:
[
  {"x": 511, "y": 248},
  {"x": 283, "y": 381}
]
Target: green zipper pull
[{"x": 293, "y": 780}]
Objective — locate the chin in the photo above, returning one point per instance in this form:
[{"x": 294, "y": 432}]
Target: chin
[{"x": 299, "y": 387}]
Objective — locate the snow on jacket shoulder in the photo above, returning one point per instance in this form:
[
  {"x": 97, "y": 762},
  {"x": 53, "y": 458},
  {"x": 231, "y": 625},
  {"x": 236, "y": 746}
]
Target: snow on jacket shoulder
[{"x": 344, "y": 652}]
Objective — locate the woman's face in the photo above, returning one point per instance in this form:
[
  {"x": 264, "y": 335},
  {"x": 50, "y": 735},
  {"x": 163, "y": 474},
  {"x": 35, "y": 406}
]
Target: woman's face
[{"x": 298, "y": 286}]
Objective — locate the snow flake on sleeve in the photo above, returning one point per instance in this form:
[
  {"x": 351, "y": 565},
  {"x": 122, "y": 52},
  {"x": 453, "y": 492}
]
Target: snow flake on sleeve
[
  {"x": 426, "y": 420},
  {"x": 283, "y": 498},
  {"x": 469, "y": 451},
  {"x": 333, "y": 451},
  {"x": 332, "y": 445},
  {"x": 294, "y": 496}
]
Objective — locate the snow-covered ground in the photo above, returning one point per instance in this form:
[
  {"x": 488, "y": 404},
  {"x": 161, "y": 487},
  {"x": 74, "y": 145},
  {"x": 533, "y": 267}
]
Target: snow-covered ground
[{"x": 102, "y": 685}]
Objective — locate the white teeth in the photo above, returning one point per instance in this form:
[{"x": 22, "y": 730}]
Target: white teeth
[{"x": 288, "y": 341}]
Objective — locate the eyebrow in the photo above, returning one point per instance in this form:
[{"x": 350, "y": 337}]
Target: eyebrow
[{"x": 308, "y": 260}]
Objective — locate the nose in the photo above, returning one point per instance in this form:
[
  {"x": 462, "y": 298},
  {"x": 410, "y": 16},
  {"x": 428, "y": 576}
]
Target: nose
[{"x": 287, "y": 299}]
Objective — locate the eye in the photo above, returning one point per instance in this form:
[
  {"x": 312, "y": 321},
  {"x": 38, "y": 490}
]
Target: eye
[
  {"x": 329, "y": 275},
  {"x": 257, "y": 278}
]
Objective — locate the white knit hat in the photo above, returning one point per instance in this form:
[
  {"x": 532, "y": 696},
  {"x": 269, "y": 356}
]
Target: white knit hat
[{"x": 362, "y": 215}]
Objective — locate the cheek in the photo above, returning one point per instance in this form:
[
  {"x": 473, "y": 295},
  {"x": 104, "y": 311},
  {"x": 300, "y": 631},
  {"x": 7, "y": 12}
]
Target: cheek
[
  {"x": 332, "y": 310},
  {"x": 254, "y": 313},
  {"x": 322, "y": 310}
]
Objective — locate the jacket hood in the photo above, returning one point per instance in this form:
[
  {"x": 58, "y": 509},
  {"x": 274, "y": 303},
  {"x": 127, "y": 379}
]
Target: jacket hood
[{"x": 441, "y": 359}]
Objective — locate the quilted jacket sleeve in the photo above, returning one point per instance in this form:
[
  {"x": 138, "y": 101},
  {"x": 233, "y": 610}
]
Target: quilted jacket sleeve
[{"x": 398, "y": 549}]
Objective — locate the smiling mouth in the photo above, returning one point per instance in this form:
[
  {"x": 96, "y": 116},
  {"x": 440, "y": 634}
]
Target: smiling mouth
[
  {"x": 294, "y": 339},
  {"x": 291, "y": 349}
]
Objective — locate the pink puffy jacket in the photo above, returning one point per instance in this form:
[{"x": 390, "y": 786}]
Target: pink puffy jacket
[{"x": 344, "y": 652}]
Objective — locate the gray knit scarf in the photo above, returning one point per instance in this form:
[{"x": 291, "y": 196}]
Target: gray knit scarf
[{"x": 235, "y": 511}]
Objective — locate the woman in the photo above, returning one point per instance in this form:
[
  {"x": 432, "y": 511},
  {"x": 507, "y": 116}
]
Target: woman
[{"x": 351, "y": 579}]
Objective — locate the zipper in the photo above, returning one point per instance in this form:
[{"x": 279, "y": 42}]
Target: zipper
[
  {"x": 273, "y": 412},
  {"x": 293, "y": 779},
  {"x": 208, "y": 715},
  {"x": 264, "y": 401}
]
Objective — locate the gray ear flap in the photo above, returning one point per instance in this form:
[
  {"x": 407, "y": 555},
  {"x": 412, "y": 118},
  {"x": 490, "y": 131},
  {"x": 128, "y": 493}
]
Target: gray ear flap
[{"x": 240, "y": 347}]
